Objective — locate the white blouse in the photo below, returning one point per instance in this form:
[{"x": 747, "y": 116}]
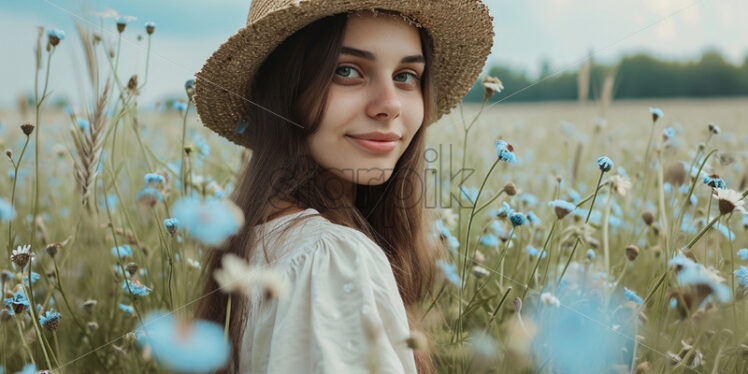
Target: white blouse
[{"x": 338, "y": 278}]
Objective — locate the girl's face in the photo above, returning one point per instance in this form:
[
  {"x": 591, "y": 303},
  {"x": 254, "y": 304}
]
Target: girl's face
[{"x": 376, "y": 95}]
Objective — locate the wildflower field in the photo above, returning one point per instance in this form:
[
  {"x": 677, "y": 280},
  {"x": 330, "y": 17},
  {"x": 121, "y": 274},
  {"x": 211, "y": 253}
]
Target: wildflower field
[{"x": 581, "y": 238}]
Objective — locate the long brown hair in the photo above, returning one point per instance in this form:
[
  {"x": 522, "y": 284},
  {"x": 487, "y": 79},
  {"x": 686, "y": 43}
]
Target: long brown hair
[{"x": 288, "y": 85}]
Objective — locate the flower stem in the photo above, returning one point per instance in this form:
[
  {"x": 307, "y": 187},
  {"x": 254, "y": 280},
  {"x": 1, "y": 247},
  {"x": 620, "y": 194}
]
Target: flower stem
[
  {"x": 13, "y": 197},
  {"x": 228, "y": 318},
  {"x": 183, "y": 152},
  {"x": 701, "y": 233},
  {"x": 540, "y": 256}
]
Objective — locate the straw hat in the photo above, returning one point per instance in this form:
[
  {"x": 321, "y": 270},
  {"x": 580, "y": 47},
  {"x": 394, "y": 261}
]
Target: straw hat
[{"x": 461, "y": 30}]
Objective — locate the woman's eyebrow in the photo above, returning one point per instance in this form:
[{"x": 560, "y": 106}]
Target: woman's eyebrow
[{"x": 370, "y": 56}]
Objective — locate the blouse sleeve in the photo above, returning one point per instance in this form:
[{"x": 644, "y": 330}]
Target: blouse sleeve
[{"x": 340, "y": 285}]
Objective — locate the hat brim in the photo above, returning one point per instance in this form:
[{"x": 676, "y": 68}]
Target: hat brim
[{"x": 461, "y": 30}]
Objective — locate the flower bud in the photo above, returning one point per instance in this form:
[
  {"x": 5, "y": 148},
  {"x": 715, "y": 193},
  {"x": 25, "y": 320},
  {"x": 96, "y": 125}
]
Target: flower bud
[
  {"x": 480, "y": 272},
  {"x": 632, "y": 252},
  {"x": 510, "y": 189},
  {"x": 93, "y": 326},
  {"x": 189, "y": 86},
  {"x": 132, "y": 268},
  {"x": 417, "y": 340},
  {"x": 121, "y": 23},
  {"x": 648, "y": 217},
  {"x": 150, "y": 27},
  {"x": 9, "y": 153},
  {"x": 27, "y": 128},
  {"x": 52, "y": 249}
]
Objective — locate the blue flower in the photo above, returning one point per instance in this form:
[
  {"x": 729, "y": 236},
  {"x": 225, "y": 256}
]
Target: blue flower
[
  {"x": 210, "y": 221},
  {"x": 714, "y": 181},
  {"x": 450, "y": 271},
  {"x": 154, "y": 178},
  {"x": 656, "y": 113},
  {"x": 489, "y": 240},
  {"x": 504, "y": 211},
  {"x": 136, "y": 288},
  {"x": 444, "y": 232},
  {"x": 203, "y": 148},
  {"x": 122, "y": 251},
  {"x": 743, "y": 254},
  {"x": 83, "y": 124},
  {"x": 570, "y": 342},
  {"x": 149, "y": 196},
  {"x": 533, "y": 219},
  {"x": 111, "y": 201},
  {"x": 528, "y": 199},
  {"x": 631, "y": 296},
  {"x": 532, "y": 251},
  {"x": 7, "y": 212},
  {"x": 691, "y": 273},
  {"x": 605, "y": 163},
  {"x": 179, "y": 106},
  {"x": 590, "y": 254},
  {"x": 741, "y": 275},
  {"x": 34, "y": 277},
  {"x": 50, "y": 319},
  {"x": 562, "y": 208},
  {"x": 151, "y": 25},
  {"x": 469, "y": 193},
  {"x": 504, "y": 151},
  {"x": 197, "y": 347},
  {"x": 127, "y": 309},
  {"x": 668, "y": 133},
  {"x": 517, "y": 219},
  {"x": 56, "y": 33},
  {"x": 171, "y": 224},
  {"x": 18, "y": 302},
  {"x": 28, "y": 369}
]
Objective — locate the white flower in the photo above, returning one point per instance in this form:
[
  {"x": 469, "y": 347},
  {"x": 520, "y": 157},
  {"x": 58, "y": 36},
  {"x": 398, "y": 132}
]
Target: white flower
[
  {"x": 236, "y": 275},
  {"x": 480, "y": 272},
  {"x": 21, "y": 255},
  {"x": 492, "y": 85},
  {"x": 194, "y": 263},
  {"x": 620, "y": 184},
  {"x": 548, "y": 299},
  {"x": 729, "y": 200},
  {"x": 447, "y": 216}
]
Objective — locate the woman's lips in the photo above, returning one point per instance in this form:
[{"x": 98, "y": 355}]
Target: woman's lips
[{"x": 376, "y": 146}]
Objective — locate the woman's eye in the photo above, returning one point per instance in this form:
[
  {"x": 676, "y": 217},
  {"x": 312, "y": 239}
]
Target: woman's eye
[
  {"x": 350, "y": 72},
  {"x": 415, "y": 77},
  {"x": 350, "y": 69}
]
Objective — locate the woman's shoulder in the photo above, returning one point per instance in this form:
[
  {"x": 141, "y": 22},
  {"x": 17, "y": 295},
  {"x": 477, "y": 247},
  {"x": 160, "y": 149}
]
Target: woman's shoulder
[{"x": 292, "y": 235}]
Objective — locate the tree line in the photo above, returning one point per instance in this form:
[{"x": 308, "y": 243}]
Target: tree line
[{"x": 636, "y": 76}]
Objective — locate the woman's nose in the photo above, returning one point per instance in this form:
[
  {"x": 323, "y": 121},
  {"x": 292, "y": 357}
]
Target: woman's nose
[{"x": 386, "y": 104}]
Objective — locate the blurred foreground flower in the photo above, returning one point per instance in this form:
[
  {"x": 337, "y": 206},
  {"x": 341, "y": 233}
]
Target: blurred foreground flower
[
  {"x": 585, "y": 334},
  {"x": 7, "y": 212},
  {"x": 182, "y": 345},
  {"x": 450, "y": 271},
  {"x": 236, "y": 275},
  {"x": 210, "y": 221}
]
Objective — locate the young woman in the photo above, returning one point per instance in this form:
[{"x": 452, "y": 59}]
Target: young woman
[{"x": 333, "y": 99}]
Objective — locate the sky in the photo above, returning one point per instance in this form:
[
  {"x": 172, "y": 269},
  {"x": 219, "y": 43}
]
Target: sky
[{"x": 563, "y": 32}]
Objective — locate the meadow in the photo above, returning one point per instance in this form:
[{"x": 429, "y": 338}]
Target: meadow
[{"x": 582, "y": 239}]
